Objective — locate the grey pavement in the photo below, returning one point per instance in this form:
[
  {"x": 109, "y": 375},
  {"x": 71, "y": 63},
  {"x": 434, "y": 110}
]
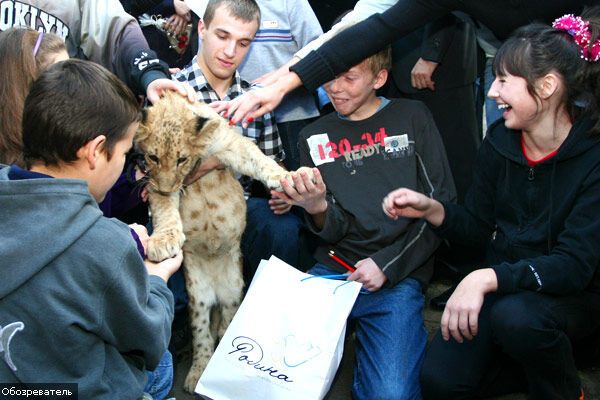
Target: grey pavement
[{"x": 340, "y": 390}]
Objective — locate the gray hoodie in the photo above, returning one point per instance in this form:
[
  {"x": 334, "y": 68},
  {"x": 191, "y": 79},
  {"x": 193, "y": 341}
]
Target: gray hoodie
[{"x": 76, "y": 302}]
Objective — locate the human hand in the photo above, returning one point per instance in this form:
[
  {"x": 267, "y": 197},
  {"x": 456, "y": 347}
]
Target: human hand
[
  {"x": 157, "y": 88},
  {"x": 142, "y": 234},
  {"x": 165, "y": 268},
  {"x": 273, "y": 76},
  {"x": 369, "y": 274},
  {"x": 182, "y": 9},
  {"x": 408, "y": 203},
  {"x": 305, "y": 193},
  {"x": 176, "y": 24},
  {"x": 420, "y": 76},
  {"x": 204, "y": 168},
  {"x": 461, "y": 315},
  {"x": 279, "y": 206},
  {"x": 255, "y": 103}
]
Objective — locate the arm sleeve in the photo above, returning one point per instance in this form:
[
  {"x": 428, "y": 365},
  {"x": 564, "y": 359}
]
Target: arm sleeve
[
  {"x": 572, "y": 262},
  {"x": 136, "y": 311},
  {"x": 336, "y": 220},
  {"x": 437, "y": 38},
  {"x": 139, "y": 7},
  {"x": 417, "y": 245},
  {"x": 363, "y": 9},
  {"x": 113, "y": 38},
  {"x": 303, "y": 22},
  {"x": 354, "y": 44},
  {"x": 474, "y": 223}
]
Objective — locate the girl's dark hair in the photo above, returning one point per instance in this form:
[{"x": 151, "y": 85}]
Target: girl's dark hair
[
  {"x": 71, "y": 103},
  {"x": 538, "y": 49}
]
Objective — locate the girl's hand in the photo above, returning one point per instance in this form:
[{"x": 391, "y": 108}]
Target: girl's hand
[
  {"x": 410, "y": 204},
  {"x": 255, "y": 103},
  {"x": 461, "y": 315}
]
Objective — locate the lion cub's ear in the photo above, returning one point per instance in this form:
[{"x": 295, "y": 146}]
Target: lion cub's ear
[{"x": 200, "y": 122}]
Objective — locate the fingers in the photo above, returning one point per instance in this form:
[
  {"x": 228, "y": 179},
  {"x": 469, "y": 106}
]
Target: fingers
[
  {"x": 444, "y": 324},
  {"x": 157, "y": 88},
  {"x": 189, "y": 92},
  {"x": 279, "y": 206},
  {"x": 463, "y": 326}
]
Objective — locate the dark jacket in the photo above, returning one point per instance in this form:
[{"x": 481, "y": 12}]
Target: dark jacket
[
  {"x": 541, "y": 225},
  {"x": 354, "y": 44},
  {"x": 397, "y": 146},
  {"x": 448, "y": 41}
]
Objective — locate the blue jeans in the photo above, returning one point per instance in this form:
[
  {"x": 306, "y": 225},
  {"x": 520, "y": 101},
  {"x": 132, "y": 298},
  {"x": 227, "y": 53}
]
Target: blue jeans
[
  {"x": 268, "y": 234},
  {"x": 160, "y": 380},
  {"x": 390, "y": 340}
]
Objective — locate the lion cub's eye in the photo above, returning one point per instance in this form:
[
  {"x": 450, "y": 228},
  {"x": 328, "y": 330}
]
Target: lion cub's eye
[
  {"x": 153, "y": 158},
  {"x": 181, "y": 160}
]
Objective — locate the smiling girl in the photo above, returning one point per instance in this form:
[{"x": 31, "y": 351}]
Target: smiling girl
[{"x": 534, "y": 205}]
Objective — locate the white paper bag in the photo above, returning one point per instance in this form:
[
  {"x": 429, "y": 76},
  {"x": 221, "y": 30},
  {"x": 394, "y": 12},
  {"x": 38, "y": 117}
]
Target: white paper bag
[{"x": 286, "y": 340}]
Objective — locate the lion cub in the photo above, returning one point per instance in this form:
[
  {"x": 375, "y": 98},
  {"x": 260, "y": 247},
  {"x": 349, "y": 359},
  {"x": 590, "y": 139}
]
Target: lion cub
[{"x": 208, "y": 217}]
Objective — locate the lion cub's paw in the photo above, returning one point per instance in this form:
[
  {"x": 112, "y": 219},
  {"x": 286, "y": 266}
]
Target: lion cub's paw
[
  {"x": 164, "y": 244},
  {"x": 273, "y": 182}
]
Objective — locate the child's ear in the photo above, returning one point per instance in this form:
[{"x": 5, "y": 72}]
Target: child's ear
[
  {"x": 92, "y": 151},
  {"x": 548, "y": 85},
  {"x": 201, "y": 28},
  {"x": 380, "y": 78}
]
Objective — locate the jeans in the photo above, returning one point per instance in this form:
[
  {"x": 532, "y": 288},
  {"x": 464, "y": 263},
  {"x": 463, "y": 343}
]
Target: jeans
[
  {"x": 523, "y": 342},
  {"x": 390, "y": 340},
  {"x": 268, "y": 234},
  {"x": 160, "y": 380}
]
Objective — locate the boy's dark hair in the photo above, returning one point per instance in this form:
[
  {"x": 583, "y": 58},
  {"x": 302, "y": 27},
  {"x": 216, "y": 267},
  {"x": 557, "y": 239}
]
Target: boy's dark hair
[
  {"x": 538, "y": 49},
  {"x": 71, "y": 103},
  {"x": 246, "y": 10}
]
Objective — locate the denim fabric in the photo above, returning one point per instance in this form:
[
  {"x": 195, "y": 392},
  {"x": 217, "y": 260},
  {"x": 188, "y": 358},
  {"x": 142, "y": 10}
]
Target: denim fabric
[
  {"x": 268, "y": 234},
  {"x": 390, "y": 340},
  {"x": 160, "y": 380}
]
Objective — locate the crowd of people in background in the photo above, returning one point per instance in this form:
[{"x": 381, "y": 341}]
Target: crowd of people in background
[{"x": 461, "y": 133}]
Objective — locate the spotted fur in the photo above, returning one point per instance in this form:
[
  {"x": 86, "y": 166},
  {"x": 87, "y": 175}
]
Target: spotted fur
[{"x": 208, "y": 217}]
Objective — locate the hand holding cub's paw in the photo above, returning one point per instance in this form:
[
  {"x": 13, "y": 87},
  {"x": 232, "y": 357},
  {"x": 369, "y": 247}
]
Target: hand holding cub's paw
[{"x": 165, "y": 244}]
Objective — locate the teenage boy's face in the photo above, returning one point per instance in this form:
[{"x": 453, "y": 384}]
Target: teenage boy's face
[
  {"x": 225, "y": 43},
  {"x": 351, "y": 91},
  {"x": 108, "y": 171}
]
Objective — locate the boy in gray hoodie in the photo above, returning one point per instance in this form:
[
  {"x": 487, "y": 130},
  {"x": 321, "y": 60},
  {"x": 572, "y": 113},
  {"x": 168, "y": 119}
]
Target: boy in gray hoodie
[{"x": 78, "y": 304}]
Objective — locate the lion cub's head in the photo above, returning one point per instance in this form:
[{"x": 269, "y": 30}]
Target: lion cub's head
[{"x": 170, "y": 135}]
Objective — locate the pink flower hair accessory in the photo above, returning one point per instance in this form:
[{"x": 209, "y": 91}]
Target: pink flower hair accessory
[{"x": 580, "y": 32}]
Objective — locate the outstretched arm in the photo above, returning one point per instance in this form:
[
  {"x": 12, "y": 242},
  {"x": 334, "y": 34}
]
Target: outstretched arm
[{"x": 408, "y": 203}]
